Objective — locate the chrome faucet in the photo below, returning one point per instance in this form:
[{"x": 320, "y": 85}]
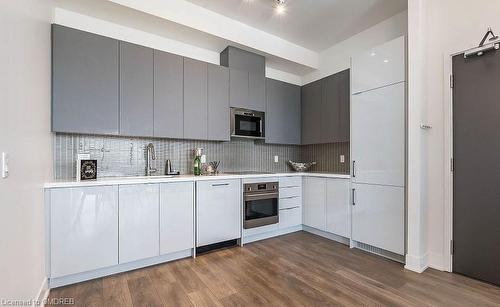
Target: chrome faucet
[{"x": 151, "y": 155}]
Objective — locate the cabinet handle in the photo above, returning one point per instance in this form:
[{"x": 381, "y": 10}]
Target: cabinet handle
[
  {"x": 219, "y": 184},
  {"x": 290, "y": 208},
  {"x": 353, "y": 168},
  {"x": 353, "y": 197}
]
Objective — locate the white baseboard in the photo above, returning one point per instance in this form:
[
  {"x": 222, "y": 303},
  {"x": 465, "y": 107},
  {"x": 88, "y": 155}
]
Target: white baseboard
[
  {"x": 417, "y": 263},
  {"x": 42, "y": 295}
]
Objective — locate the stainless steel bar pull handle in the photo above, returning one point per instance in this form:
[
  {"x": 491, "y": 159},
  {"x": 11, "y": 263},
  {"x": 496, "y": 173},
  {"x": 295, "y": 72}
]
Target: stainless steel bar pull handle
[
  {"x": 354, "y": 197},
  {"x": 353, "y": 168},
  {"x": 219, "y": 184}
]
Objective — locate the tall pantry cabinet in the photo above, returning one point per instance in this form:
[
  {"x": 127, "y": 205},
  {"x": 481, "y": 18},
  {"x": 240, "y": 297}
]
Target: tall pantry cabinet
[{"x": 378, "y": 146}]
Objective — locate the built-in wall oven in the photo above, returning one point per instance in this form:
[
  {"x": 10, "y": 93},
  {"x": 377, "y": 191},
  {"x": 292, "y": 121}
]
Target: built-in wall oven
[
  {"x": 247, "y": 123},
  {"x": 260, "y": 204}
]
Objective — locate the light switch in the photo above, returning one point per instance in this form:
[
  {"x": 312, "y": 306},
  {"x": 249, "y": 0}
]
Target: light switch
[
  {"x": 276, "y": 160},
  {"x": 342, "y": 158},
  {"x": 5, "y": 165}
]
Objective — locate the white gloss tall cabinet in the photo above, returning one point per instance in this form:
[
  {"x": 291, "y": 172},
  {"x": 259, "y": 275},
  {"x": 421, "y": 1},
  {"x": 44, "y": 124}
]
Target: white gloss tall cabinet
[{"x": 378, "y": 125}]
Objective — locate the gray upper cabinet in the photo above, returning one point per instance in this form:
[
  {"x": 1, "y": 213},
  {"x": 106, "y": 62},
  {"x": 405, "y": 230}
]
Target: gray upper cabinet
[
  {"x": 168, "y": 95},
  {"x": 136, "y": 90},
  {"x": 311, "y": 113},
  {"x": 195, "y": 99},
  {"x": 218, "y": 103},
  {"x": 238, "y": 88},
  {"x": 256, "y": 92},
  {"x": 283, "y": 119},
  {"x": 335, "y": 108},
  {"x": 247, "y": 85},
  {"x": 84, "y": 82},
  {"x": 243, "y": 60},
  {"x": 325, "y": 110},
  {"x": 344, "y": 134}
]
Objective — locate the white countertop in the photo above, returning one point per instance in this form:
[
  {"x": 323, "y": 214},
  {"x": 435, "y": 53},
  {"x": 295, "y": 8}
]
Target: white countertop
[{"x": 178, "y": 178}]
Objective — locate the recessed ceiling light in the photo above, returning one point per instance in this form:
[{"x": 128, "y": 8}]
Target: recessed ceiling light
[
  {"x": 280, "y": 7},
  {"x": 373, "y": 54},
  {"x": 386, "y": 61}
]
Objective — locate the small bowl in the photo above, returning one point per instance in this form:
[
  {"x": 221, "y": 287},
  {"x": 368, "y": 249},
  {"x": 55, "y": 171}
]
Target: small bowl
[{"x": 301, "y": 167}]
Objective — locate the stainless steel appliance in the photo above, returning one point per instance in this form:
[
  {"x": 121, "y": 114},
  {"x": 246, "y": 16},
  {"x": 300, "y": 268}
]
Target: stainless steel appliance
[
  {"x": 260, "y": 204},
  {"x": 247, "y": 124}
]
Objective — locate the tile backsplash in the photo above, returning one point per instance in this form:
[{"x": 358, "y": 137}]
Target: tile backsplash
[{"x": 124, "y": 156}]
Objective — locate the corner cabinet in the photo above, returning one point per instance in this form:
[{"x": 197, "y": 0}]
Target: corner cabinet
[
  {"x": 83, "y": 229},
  {"x": 85, "y": 78},
  {"x": 283, "y": 120}
]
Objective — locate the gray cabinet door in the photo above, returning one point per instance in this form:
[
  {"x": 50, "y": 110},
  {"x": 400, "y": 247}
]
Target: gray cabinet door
[
  {"x": 136, "y": 90},
  {"x": 195, "y": 99},
  {"x": 311, "y": 113},
  {"x": 218, "y": 103},
  {"x": 168, "y": 95},
  {"x": 256, "y": 92},
  {"x": 345, "y": 102},
  {"x": 84, "y": 82},
  {"x": 330, "y": 107},
  {"x": 283, "y": 120},
  {"x": 238, "y": 88}
]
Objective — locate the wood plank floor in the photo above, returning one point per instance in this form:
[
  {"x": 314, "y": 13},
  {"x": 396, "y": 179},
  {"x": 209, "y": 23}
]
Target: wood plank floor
[{"x": 298, "y": 269}]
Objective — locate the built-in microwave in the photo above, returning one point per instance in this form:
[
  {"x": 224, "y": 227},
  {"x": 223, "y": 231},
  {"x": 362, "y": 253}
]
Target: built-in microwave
[{"x": 247, "y": 123}]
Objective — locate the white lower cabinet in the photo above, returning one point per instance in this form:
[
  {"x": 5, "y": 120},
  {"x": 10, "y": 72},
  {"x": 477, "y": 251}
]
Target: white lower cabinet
[
  {"x": 290, "y": 217},
  {"x": 314, "y": 194},
  {"x": 337, "y": 206},
  {"x": 176, "y": 217},
  {"x": 139, "y": 227},
  {"x": 218, "y": 211},
  {"x": 83, "y": 229},
  {"x": 378, "y": 216}
]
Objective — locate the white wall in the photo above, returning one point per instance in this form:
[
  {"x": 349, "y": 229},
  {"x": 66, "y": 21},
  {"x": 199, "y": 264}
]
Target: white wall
[
  {"x": 24, "y": 134},
  {"x": 450, "y": 25},
  {"x": 337, "y": 57}
]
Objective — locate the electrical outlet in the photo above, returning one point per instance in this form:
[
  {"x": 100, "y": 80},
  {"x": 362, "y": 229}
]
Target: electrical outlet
[
  {"x": 342, "y": 158},
  {"x": 203, "y": 159},
  {"x": 5, "y": 165},
  {"x": 276, "y": 159}
]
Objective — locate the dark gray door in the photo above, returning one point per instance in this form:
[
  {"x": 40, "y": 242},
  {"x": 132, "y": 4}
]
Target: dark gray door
[
  {"x": 136, "y": 90},
  {"x": 84, "y": 82},
  {"x": 476, "y": 177},
  {"x": 311, "y": 113},
  {"x": 238, "y": 88},
  {"x": 168, "y": 95},
  {"x": 195, "y": 99},
  {"x": 282, "y": 113},
  {"x": 218, "y": 103}
]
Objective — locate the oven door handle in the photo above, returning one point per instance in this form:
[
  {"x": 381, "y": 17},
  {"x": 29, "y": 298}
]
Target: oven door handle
[{"x": 261, "y": 196}]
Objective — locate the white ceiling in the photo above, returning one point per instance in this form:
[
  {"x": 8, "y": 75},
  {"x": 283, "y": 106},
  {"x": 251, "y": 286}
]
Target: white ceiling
[{"x": 313, "y": 24}]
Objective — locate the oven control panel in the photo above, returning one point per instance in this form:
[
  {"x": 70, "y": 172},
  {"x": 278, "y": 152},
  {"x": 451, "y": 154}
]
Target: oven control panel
[{"x": 261, "y": 187}]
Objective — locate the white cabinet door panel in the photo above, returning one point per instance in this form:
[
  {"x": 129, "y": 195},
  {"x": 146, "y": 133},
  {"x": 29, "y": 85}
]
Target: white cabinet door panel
[
  {"x": 176, "y": 217},
  {"x": 378, "y": 136},
  {"x": 378, "y": 216},
  {"x": 337, "y": 206},
  {"x": 218, "y": 211},
  {"x": 83, "y": 229},
  {"x": 379, "y": 66},
  {"x": 139, "y": 222},
  {"x": 314, "y": 194},
  {"x": 290, "y": 217}
]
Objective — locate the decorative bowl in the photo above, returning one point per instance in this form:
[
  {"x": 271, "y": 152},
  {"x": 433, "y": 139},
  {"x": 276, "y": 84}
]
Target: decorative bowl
[{"x": 300, "y": 167}]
